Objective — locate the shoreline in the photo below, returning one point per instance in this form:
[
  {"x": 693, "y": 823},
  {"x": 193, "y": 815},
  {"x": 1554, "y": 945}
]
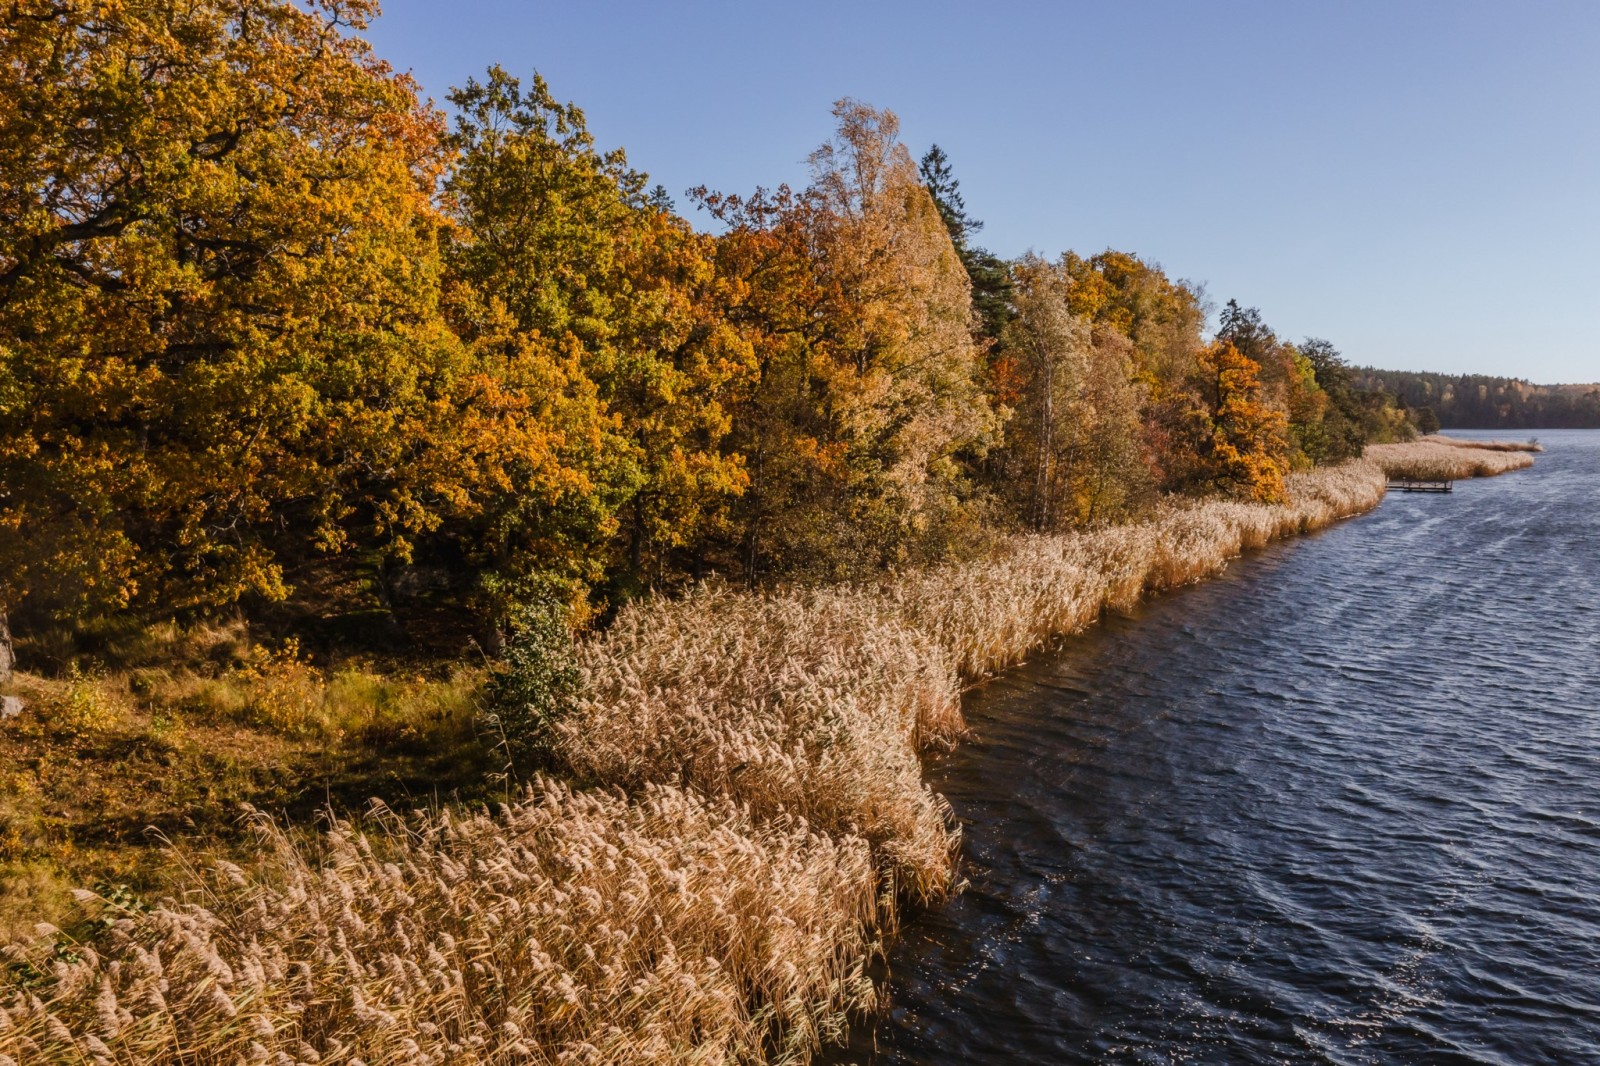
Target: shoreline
[
  {"x": 757, "y": 827},
  {"x": 1452, "y": 458}
]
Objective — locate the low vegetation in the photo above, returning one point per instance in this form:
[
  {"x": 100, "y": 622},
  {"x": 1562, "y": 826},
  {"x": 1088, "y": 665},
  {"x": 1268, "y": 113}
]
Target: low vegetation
[
  {"x": 1444, "y": 459},
  {"x": 1530, "y": 445},
  {"x": 167, "y": 736},
  {"x": 572, "y": 927},
  {"x": 759, "y": 819}
]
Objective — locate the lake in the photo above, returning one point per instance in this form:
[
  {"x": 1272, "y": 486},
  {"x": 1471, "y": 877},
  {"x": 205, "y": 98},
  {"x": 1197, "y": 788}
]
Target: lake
[{"x": 1341, "y": 804}]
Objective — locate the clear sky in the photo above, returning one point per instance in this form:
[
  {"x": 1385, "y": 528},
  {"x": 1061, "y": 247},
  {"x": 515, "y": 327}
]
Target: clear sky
[{"x": 1417, "y": 182}]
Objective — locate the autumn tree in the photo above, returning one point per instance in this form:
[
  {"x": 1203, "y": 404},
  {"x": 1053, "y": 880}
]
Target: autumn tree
[
  {"x": 1075, "y": 441},
  {"x": 1163, "y": 321},
  {"x": 529, "y": 269},
  {"x": 904, "y": 374},
  {"x": 887, "y": 360},
  {"x": 1116, "y": 476},
  {"x": 793, "y": 516},
  {"x": 1236, "y": 443},
  {"x": 1051, "y": 344},
  {"x": 220, "y": 344},
  {"x": 1318, "y": 432},
  {"x": 597, "y": 310},
  {"x": 684, "y": 366},
  {"x": 1163, "y": 317}
]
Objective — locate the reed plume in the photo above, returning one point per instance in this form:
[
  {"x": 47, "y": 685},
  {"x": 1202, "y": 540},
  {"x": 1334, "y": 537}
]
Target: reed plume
[
  {"x": 573, "y": 927},
  {"x": 746, "y": 815},
  {"x": 1445, "y": 459}
]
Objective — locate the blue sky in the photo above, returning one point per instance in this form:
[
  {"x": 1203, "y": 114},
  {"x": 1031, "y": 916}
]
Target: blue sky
[{"x": 1417, "y": 182}]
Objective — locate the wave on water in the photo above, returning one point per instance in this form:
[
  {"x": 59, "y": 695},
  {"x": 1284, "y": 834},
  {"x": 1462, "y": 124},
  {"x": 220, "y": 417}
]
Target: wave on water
[{"x": 1341, "y": 805}]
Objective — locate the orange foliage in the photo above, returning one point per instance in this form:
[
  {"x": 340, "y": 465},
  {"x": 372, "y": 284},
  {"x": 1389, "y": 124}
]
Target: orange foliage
[{"x": 1239, "y": 441}]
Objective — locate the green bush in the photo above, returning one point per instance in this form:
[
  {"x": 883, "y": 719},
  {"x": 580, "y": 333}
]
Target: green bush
[{"x": 537, "y": 679}]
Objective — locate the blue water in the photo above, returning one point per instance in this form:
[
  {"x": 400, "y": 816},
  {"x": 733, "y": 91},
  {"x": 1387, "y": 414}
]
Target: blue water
[{"x": 1340, "y": 805}]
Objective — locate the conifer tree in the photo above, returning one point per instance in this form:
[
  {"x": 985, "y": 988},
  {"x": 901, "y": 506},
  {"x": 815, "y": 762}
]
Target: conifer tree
[{"x": 989, "y": 274}]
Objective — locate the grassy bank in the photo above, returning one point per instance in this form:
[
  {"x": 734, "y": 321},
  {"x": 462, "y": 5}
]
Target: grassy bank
[
  {"x": 123, "y": 742},
  {"x": 743, "y": 819}
]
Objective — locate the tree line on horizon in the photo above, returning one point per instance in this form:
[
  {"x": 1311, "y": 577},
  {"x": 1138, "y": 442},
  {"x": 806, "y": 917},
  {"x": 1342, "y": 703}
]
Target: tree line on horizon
[
  {"x": 271, "y": 321},
  {"x": 1483, "y": 401}
]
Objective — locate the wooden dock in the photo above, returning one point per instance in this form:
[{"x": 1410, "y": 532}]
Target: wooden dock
[{"x": 1410, "y": 484}]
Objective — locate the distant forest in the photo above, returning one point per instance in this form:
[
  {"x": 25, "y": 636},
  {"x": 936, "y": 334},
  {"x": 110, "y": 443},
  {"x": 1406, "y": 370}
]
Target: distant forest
[{"x": 1477, "y": 401}]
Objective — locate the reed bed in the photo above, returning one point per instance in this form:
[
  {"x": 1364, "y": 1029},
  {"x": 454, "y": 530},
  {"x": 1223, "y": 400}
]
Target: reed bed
[
  {"x": 1487, "y": 445},
  {"x": 752, "y": 816},
  {"x": 817, "y": 703},
  {"x": 992, "y": 613},
  {"x": 1430, "y": 459},
  {"x": 812, "y": 703},
  {"x": 573, "y": 928}
]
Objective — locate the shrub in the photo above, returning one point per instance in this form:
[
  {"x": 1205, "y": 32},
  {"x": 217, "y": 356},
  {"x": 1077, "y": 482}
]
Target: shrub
[{"x": 537, "y": 680}]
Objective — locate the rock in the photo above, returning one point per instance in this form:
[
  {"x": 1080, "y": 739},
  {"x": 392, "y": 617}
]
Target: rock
[{"x": 11, "y": 707}]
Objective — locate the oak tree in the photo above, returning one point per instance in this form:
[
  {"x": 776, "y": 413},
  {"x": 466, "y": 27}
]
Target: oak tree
[{"x": 219, "y": 335}]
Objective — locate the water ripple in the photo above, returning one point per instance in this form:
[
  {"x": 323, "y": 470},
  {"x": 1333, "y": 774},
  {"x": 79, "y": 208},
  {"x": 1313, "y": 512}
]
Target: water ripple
[{"x": 1341, "y": 805}]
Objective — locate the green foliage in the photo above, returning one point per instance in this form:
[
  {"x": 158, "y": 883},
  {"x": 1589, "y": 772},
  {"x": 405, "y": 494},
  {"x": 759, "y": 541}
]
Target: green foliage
[
  {"x": 1361, "y": 412},
  {"x": 945, "y": 189},
  {"x": 1344, "y": 430},
  {"x": 989, "y": 274},
  {"x": 537, "y": 678},
  {"x": 601, "y": 318}
]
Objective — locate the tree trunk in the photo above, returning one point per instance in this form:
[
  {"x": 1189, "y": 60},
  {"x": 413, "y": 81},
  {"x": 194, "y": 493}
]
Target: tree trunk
[
  {"x": 752, "y": 553},
  {"x": 636, "y": 541},
  {"x": 8, "y": 658},
  {"x": 1047, "y": 426}
]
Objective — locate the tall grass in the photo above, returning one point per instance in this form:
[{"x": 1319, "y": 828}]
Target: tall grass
[
  {"x": 818, "y": 702},
  {"x": 573, "y": 928},
  {"x": 1530, "y": 445},
  {"x": 1444, "y": 459},
  {"x": 812, "y": 703},
  {"x": 991, "y": 613},
  {"x": 756, "y": 817}
]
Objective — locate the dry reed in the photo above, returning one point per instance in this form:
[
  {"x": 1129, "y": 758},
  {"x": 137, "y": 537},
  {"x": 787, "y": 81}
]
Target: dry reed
[
  {"x": 1439, "y": 459},
  {"x": 817, "y": 702},
  {"x": 574, "y": 928},
  {"x": 812, "y": 703},
  {"x": 1488, "y": 445},
  {"x": 761, "y": 816}
]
